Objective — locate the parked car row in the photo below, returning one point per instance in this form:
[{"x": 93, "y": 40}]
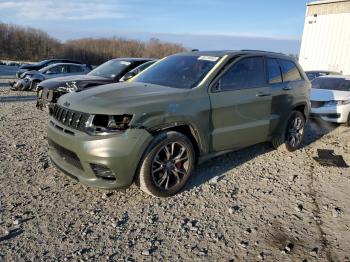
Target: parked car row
[
  {"x": 29, "y": 80},
  {"x": 112, "y": 71},
  {"x": 181, "y": 110},
  {"x": 35, "y": 67},
  {"x": 29, "y": 75}
]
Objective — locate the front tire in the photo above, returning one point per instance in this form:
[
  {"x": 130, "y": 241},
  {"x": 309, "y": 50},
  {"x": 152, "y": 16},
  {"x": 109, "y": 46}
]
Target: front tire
[
  {"x": 294, "y": 133},
  {"x": 167, "y": 164}
]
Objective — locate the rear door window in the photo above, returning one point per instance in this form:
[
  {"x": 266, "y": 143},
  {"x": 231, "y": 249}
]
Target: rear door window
[
  {"x": 247, "y": 73},
  {"x": 290, "y": 71},
  {"x": 274, "y": 71}
]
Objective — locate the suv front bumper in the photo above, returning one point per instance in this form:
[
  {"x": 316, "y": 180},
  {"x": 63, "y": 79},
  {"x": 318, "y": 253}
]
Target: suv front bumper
[{"x": 76, "y": 153}]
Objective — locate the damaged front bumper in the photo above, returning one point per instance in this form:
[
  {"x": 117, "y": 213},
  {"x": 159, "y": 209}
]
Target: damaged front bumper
[
  {"x": 21, "y": 84},
  {"x": 45, "y": 100},
  {"x": 109, "y": 161}
]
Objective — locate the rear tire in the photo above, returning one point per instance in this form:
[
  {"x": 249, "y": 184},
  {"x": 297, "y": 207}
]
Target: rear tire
[
  {"x": 166, "y": 165},
  {"x": 293, "y": 134}
]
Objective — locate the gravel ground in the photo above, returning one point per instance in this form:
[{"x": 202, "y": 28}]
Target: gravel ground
[{"x": 254, "y": 204}]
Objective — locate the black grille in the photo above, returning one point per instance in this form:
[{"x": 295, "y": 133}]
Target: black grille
[
  {"x": 70, "y": 118},
  {"x": 317, "y": 104},
  {"x": 50, "y": 95},
  {"x": 45, "y": 94},
  {"x": 69, "y": 156}
]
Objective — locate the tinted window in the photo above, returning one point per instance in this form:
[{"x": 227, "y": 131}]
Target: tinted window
[
  {"x": 289, "y": 71},
  {"x": 311, "y": 76},
  {"x": 247, "y": 73},
  {"x": 339, "y": 84},
  {"x": 110, "y": 69},
  {"x": 274, "y": 71},
  {"x": 137, "y": 70},
  {"x": 143, "y": 66},
  {"x": 75, "y": 69},
  {"x": 60, "y": 69},
  {"x": 179, "y": 71},
  {"x": 55, "y": 69}
]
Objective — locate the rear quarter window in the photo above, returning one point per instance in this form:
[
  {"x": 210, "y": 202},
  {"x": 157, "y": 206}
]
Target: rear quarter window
[
  {"x": 290, "y": 71},
  {"x": 75, "y": 69}
]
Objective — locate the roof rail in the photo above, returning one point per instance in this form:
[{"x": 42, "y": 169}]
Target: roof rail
[{"x": 262, "y": 51}]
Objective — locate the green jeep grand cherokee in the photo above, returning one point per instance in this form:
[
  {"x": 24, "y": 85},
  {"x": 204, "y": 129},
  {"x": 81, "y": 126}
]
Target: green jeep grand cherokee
[{"x": 185, "y": 108}]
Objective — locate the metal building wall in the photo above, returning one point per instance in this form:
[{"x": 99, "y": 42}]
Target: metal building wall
[{"x": 326, "y": 38}]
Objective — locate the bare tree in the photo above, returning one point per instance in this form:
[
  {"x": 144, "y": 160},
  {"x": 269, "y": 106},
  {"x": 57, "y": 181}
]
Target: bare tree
[{"x": 30, "y": 44}]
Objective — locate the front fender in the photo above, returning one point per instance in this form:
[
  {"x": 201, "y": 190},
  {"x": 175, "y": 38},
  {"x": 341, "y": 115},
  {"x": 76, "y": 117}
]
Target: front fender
[{"x": 193, "y": 112}]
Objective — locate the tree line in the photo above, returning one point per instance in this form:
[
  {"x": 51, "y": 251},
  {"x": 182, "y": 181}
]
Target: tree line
[{"x": 30, "y": 44}]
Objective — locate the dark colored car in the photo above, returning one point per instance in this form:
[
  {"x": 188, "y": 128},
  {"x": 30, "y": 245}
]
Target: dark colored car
[
  {"x": 42, "y": 64},
  {"x": 31, "y": 79},
  {"x": 314, "y": 74},
  {"x": 182, "y": 110},
  {"x": 109, "y": 72}
]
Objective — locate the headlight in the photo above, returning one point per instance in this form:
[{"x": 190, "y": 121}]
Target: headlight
[
  {"x": 71, "y": 87},
  {"x": 107, "y": 124},
  {"x": 62, "y": 89},
  {"x": 337, "y": 102},
  {"x": 343, "y": 102}
]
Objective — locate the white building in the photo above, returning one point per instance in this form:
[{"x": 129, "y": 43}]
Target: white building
[{"x": 326, "y": 39}]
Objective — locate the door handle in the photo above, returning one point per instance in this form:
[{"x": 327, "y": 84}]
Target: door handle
[
  {"x": 286, "y": 88},
  {"x": 261, "y": 94}
]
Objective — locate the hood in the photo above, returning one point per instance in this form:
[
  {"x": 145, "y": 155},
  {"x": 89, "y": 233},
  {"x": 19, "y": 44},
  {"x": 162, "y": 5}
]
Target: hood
[
  {"x": 328, "y": 95},
  {"x": 82, "y": 81},
  {"x": 32, "y": 72},
  {"x": 122, "y": 98},
  {"x": 29, "y": 67}
]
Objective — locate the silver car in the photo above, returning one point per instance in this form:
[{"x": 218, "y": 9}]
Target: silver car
[{"x": 31, "y": 79}]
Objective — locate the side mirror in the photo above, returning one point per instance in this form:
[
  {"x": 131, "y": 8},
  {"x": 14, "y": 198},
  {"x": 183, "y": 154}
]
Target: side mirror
[
  {"x": 129, "y": 75},
  {"x": 48, "y": 72}
]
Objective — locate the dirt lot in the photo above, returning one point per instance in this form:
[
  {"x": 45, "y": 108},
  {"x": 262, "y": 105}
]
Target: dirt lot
[{"x": 254, "y": 204}]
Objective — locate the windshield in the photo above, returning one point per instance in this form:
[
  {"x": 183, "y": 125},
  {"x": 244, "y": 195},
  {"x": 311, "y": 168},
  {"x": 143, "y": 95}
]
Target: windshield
[
  {"x": 110, "y": 69},
  {"x": 42, "y": 70},
  {"x": 178, "y": 71},
  {"x": 339, "y": 84}
]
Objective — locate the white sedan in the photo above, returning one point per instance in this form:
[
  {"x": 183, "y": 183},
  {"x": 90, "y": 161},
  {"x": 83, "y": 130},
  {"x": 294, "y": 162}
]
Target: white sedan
[{"x": 330, "y": 99}]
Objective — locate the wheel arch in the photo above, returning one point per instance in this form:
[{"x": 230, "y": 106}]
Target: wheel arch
[
  {"x": 303, "y": 108},
  {"x": 186, "y": 129}
]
